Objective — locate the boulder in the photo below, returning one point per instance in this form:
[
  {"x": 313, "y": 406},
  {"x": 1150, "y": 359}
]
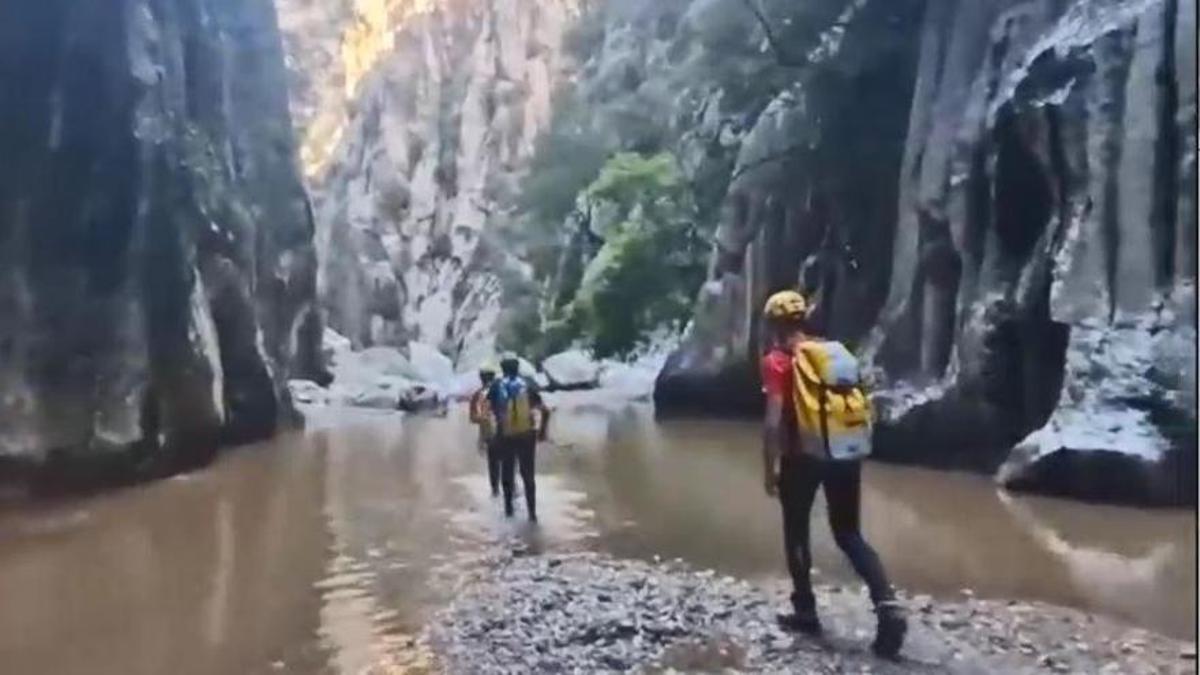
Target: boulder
[
  {"x": 420, "y": 398},
  {"x": 427, "y": 364},
  {"x": 376, "y": 360},
  {"x": 333, "y": 345},
  {"x": 308, "y": 392},
  {"x": 573, "y": 369}
]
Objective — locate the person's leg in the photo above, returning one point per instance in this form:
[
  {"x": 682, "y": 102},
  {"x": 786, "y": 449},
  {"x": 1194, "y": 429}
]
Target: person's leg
[
  {"x": 526, "y": 451},
  {"x": 843, "y": 494},
  {"x": 798, "y": 482},
  {"x": 493, "y": 465},
  {"x": 508, "y": 466}
]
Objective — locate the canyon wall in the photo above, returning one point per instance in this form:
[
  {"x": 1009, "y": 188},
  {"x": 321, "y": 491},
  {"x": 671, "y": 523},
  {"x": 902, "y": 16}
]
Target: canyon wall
[
  {"x": 157, "y": 272},
  {"x": 1028, "y": 297},
  {"x": 417, "y": 118}
]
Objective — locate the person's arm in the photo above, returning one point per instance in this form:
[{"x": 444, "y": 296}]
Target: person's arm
[
  {"x": 475, "y": 407},
  {"x": 772, "y": 444},
  {"x": 774, "y": 383},
  {"x": 545, "y": 430},
  {"x": 495, "y": 401},
  {"x": 535, "y": 399}
]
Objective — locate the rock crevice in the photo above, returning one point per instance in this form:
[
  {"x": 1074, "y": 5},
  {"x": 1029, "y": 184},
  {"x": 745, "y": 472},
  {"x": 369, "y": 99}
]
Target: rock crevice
[{"x": 157, "y": 274}]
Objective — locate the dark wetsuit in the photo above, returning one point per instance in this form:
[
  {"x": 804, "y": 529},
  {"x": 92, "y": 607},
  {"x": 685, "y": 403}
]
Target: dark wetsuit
[
  {"x": 800, "y": 476},
  {"x": 516, "y": 452}
]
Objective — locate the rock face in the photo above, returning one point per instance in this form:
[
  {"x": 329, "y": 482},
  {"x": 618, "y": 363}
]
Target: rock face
[
  {"x": 157, "y": 272},
  {"x": 418, "y": 117},
  {"x": 810, "y": 199},
  {"x": 1034, "y": 288}
]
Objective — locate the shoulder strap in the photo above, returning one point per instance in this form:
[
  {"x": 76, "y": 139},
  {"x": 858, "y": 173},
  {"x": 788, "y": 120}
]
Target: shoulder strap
[{"x": 800, "y": 357}]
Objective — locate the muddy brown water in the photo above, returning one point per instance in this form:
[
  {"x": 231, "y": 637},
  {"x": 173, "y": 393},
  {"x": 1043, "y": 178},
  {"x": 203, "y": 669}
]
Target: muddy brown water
[{"x": 326, "y": 551}]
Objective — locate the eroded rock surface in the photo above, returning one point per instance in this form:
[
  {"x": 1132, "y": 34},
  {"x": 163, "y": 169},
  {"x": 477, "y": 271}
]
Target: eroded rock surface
[
  {"x": 1034, "y": 286},
  {"x": 417, "y": 119},
  {"x": 157, "y": 272}
]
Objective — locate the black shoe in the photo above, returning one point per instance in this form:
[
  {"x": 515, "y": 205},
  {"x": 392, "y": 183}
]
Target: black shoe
[
  {"x": 533, "y": 517},
  {"x": 889, "y": 635},
  {"x": 508, "y": 511},
  {"x": 800, "y": 622}
]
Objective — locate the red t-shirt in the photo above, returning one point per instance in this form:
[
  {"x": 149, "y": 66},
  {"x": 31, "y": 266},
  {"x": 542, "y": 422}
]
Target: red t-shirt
[
  {"x": 777, "y": 375},
  {"x": 777, "y": 381}
]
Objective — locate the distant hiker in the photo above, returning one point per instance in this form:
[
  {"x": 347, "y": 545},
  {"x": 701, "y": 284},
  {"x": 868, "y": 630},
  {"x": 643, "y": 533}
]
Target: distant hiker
[
  {"x": 482, "y": 417},
  {"x": 515, "y": 401},
  {"x": 817, "y": 430}
]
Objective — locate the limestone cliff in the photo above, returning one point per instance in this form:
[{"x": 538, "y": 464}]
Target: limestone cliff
[
  {"x": 1021, "y": 267},
  {"x": 157, "y": 273},
  {"x": 418, "y": 117}
]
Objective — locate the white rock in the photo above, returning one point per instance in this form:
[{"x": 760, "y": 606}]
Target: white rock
[
  {"x": 574, "y": 368},
  {"x": 428, "y": 364},
  {"x": 380, "y": 361},
  {"x": 308, "y": 392}
]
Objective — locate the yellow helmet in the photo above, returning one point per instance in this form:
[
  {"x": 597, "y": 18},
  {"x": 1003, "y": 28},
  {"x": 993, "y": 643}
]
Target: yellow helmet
[{"x": 786, "y": 305}]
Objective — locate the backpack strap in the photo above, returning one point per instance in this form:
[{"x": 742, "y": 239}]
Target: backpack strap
[{"x": 824, "y": 393}]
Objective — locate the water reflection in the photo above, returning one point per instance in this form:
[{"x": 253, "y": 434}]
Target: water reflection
[{"x": 327, "y": 551}]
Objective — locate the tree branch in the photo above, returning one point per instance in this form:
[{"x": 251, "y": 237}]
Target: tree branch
[{"x": 782, "y": 57}]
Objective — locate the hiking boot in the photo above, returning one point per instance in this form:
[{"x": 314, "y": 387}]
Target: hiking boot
[
  {"x": 800, "y": 622},
  {"x": 889, "y": 636}
]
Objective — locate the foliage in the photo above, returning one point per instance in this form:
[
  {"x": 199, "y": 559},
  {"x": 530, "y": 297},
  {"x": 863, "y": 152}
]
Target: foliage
[{"x": 651, "y": 263}]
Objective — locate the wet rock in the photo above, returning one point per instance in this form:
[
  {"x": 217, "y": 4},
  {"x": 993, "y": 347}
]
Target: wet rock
[
  {"x": 157, "y": 270},
  {"x": 571, "y": 370},
  {"x": 1034, "y": 287}
]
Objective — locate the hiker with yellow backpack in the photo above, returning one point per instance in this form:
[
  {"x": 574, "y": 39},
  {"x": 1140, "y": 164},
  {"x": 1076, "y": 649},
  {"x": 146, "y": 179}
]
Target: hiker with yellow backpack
[
  {"x": 482, "y": 417},
  {"x": 817, "y": 432},
  {"x": 515, "y": 401}
]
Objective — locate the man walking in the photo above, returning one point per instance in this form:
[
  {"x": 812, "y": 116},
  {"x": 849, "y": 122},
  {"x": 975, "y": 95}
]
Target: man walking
[
  {"x": 797, "y": 461},
  {"x": 483, "y": 417},
  {"x": 514, "y": 402}
]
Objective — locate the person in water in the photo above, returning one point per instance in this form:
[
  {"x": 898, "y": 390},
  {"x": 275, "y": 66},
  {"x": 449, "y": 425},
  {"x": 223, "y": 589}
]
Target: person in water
[
  {"x": 794, "y": 469},
  {"x": 482, "y": 417},
  {"x": 521, "y": 421}
]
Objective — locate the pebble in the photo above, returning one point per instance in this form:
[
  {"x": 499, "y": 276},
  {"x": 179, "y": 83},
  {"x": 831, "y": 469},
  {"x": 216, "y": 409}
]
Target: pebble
[{"x": 599, "y": 614}]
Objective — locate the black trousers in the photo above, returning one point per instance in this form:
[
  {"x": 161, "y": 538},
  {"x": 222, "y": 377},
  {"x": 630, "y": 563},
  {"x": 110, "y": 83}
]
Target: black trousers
[
  {"x": 493, "y": 450},
  {"x": 516, "y": 454},
  {"x": 800, "y": 476}
]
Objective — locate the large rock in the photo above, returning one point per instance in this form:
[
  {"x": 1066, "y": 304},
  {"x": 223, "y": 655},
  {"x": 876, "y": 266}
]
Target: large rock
[
  {"x": 428, "y": 364},
  {"x": 808, "y": 201},
  {"x": 157, "y": 271},
  {"x": 1034, "y": 287},
  {"x": 575, "y": 369},
  {"x": 1040, "y": 276}
]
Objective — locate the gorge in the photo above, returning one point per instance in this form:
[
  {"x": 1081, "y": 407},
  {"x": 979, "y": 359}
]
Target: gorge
[{"x": 994, "y": 203}]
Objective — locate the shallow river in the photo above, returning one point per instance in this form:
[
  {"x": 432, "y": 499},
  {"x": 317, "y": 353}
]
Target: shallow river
[{"x": 325, "y": 551}]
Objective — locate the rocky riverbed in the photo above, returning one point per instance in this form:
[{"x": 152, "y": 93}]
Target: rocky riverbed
[{"x": 588, "y": 612}]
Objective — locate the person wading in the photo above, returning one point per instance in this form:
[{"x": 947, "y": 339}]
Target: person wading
[
  {"x": 514, "y": 402},
  {"x": 816, "y": 432},
  {"x": 482, "y": 417}
]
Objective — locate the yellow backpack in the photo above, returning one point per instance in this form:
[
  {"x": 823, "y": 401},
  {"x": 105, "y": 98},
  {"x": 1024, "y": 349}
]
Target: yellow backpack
[
  {"x": 518, "y": 413},
  {"x": 481, "y": 414},
  {"x": 831, "y": 405}
]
